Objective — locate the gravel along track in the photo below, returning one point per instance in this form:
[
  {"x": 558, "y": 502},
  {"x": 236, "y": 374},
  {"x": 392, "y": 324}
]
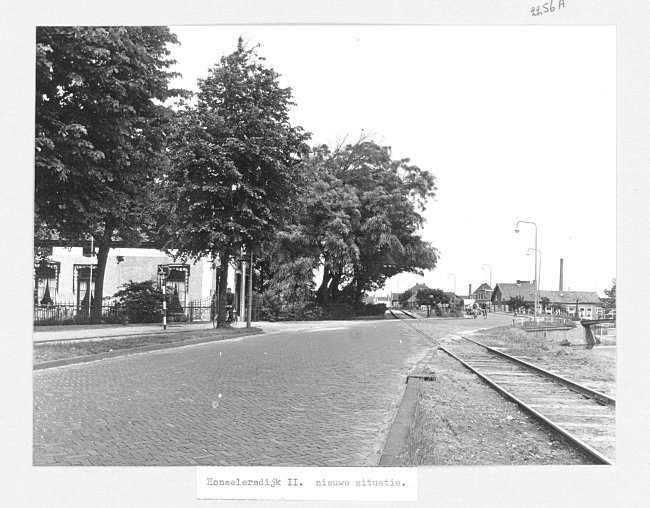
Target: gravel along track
[
  {"x": 460, "y": 421},
  {"x": 591, "y": 422}
]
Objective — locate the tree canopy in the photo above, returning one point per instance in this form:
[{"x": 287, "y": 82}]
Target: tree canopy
[
  {"x": 610, "y": 301},
  {"x": 100, "y": 131},
  {"x": 236, "y": 161},
  {"x": 517, "y": 302},
  {"x": 428, "y": 296},
  {"x": 359, "y": 219},
  {"x": 404, "y": 297}
]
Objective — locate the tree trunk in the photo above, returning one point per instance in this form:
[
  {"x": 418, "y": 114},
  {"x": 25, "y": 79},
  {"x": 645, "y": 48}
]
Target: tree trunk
[
  {"x": 322, "y": 295},
  {"x": 223, "y": 285},
  {"x": 104, "y": 245},
  {"x": 334, "y": 290}
]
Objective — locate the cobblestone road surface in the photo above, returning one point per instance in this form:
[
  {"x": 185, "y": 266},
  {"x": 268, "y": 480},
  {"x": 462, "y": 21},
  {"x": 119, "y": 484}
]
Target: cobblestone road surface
[{"x": 291, "y": 398}]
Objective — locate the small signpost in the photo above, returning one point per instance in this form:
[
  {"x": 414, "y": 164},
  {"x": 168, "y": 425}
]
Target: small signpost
[
  {"x": 163, "y": 272},
  {"x": 91, "y": 255}
]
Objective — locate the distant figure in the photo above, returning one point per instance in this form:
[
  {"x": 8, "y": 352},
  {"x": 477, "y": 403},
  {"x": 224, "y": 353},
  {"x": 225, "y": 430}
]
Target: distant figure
[
  {"x": 485, "y": 309},
  {"x": 230, "y": 300}
]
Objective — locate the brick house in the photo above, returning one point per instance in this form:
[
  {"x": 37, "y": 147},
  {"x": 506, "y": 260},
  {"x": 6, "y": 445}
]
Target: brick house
[
  {"x": 503, "y": 291},
  {"x": 482, "y": 295}
]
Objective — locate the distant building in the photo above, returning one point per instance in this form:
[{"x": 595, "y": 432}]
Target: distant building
[
  {"x": 482, "y": 295},
  {"x": 412, "y": 302},
  {"x": 376, "y": 299},
  {"x": 548, "y": 302}
]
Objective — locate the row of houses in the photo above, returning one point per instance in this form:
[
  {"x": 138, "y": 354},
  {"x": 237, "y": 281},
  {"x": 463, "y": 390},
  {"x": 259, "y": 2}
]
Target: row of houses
[
  {"x": 68, "y": 275},
  {"x": 585, "y": 303}
]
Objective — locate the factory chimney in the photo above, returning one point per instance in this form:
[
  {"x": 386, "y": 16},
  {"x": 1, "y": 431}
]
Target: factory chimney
[
  {"x": 561, "y": 273},
  {"x": 470, "y": 290}
]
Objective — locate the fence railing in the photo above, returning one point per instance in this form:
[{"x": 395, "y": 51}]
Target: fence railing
[
  {"x": 69, "y": 313},
  {"x": 542, "y": 320},
  {"x": 201, "y": 309},
  {"x": 606, "y": 314}
]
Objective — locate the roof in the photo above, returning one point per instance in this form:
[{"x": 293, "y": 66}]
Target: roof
[
  {"x": 527, "y": 292},
  {"x": 483, "y": 287},
  {"x": 417, "y": 288},
  {"x": 513, "y": 290},
  {"x": 570, "y": 296}
]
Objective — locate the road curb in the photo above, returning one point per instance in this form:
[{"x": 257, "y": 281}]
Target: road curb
[
  {"x": 398, "y": 433},
  {"x": 144, "y": 349},
  {"x": 97, "y": 337}
]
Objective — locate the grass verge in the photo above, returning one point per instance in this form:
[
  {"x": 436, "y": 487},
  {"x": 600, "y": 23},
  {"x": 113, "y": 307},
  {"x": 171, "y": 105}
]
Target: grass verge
[{"x": 50, "y": 351}]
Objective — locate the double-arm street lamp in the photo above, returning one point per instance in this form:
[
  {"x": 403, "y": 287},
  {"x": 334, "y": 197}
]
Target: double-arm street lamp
[
  {"x": 490, "y": 273},
  {"x": 517, "y": 231}
]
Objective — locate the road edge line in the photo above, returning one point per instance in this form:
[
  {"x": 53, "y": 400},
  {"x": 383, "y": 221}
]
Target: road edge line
[{"x": 131, "y": 351}]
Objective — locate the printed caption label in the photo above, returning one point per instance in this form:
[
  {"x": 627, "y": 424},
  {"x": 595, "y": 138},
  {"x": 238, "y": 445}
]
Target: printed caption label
[{"x": 308, "y": 483}]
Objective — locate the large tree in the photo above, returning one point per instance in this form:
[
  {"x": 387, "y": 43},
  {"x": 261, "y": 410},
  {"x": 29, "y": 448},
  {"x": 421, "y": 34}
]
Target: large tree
[
  {"x": 236, "y": 162},
  {"x": 362, "y": 214},
  {"x": 100, "y": 132},
  {"x": 432, "y": 297}
]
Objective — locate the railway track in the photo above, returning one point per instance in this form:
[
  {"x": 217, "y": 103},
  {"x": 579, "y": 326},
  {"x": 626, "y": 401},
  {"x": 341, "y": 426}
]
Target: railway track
[{"x": 581, "y": 415}]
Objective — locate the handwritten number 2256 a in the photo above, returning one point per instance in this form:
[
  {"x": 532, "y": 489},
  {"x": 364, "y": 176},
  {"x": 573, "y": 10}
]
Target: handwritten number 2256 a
[{"x": 547, "y": 7}]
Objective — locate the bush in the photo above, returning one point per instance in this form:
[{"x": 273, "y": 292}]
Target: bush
[
  {"x": 312, "y": 313},
  {"x": 270, "y": 306},
  {"x": 140, "y": 302},
  {"x": 337, "y": 311},
  {"x": 378, "y": 309}
]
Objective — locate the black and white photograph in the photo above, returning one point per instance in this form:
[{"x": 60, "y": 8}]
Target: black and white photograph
[{"x": 328, "y": 245}]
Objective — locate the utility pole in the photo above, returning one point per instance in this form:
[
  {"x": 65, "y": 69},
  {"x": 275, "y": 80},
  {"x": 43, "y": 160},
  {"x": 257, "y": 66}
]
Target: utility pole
[{"x": 250, "y": 293}]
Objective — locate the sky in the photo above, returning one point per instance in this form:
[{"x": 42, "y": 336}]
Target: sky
[{"x": 517, "y": 123}]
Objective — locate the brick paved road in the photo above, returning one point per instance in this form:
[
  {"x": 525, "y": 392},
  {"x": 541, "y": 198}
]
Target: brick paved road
[{"x": 293, "y": 398}]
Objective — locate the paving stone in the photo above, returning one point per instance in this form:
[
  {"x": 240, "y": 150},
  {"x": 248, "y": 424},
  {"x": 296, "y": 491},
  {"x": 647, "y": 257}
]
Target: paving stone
[{"x": 299, "y": 398}]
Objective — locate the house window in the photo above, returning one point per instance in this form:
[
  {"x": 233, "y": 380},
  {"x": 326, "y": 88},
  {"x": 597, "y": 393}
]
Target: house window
[
  {"x": 177, "y": 282},
  {"x": 46, "y": 281},
  {"x": 83, "y": 279}
]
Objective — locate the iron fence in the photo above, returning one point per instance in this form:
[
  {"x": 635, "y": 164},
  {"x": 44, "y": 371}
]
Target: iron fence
[
  {"x": 201, "y": 309},
  {"x": 204, "y": 309},
  {"x": 69, "y": 313}
]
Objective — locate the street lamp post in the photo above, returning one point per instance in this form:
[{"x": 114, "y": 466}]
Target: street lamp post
[
  {"x": 536, "y": 282},
  {"x": 485, "y": 264},
  {"x": 539, "y": 270}
]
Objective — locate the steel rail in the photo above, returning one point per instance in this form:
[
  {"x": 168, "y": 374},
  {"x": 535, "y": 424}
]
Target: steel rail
[
  {"x": 594, "y": 454},
  {"x": 572, "y": 385}
]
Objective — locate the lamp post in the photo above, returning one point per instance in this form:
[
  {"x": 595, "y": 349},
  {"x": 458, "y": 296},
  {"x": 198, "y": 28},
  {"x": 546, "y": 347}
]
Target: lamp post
[
  {"x": 539, "y": 270},
  {"x": 536, "y": 283},
  {"x": 448, "y": 275},
  {"x": 490, "y": 273}
]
